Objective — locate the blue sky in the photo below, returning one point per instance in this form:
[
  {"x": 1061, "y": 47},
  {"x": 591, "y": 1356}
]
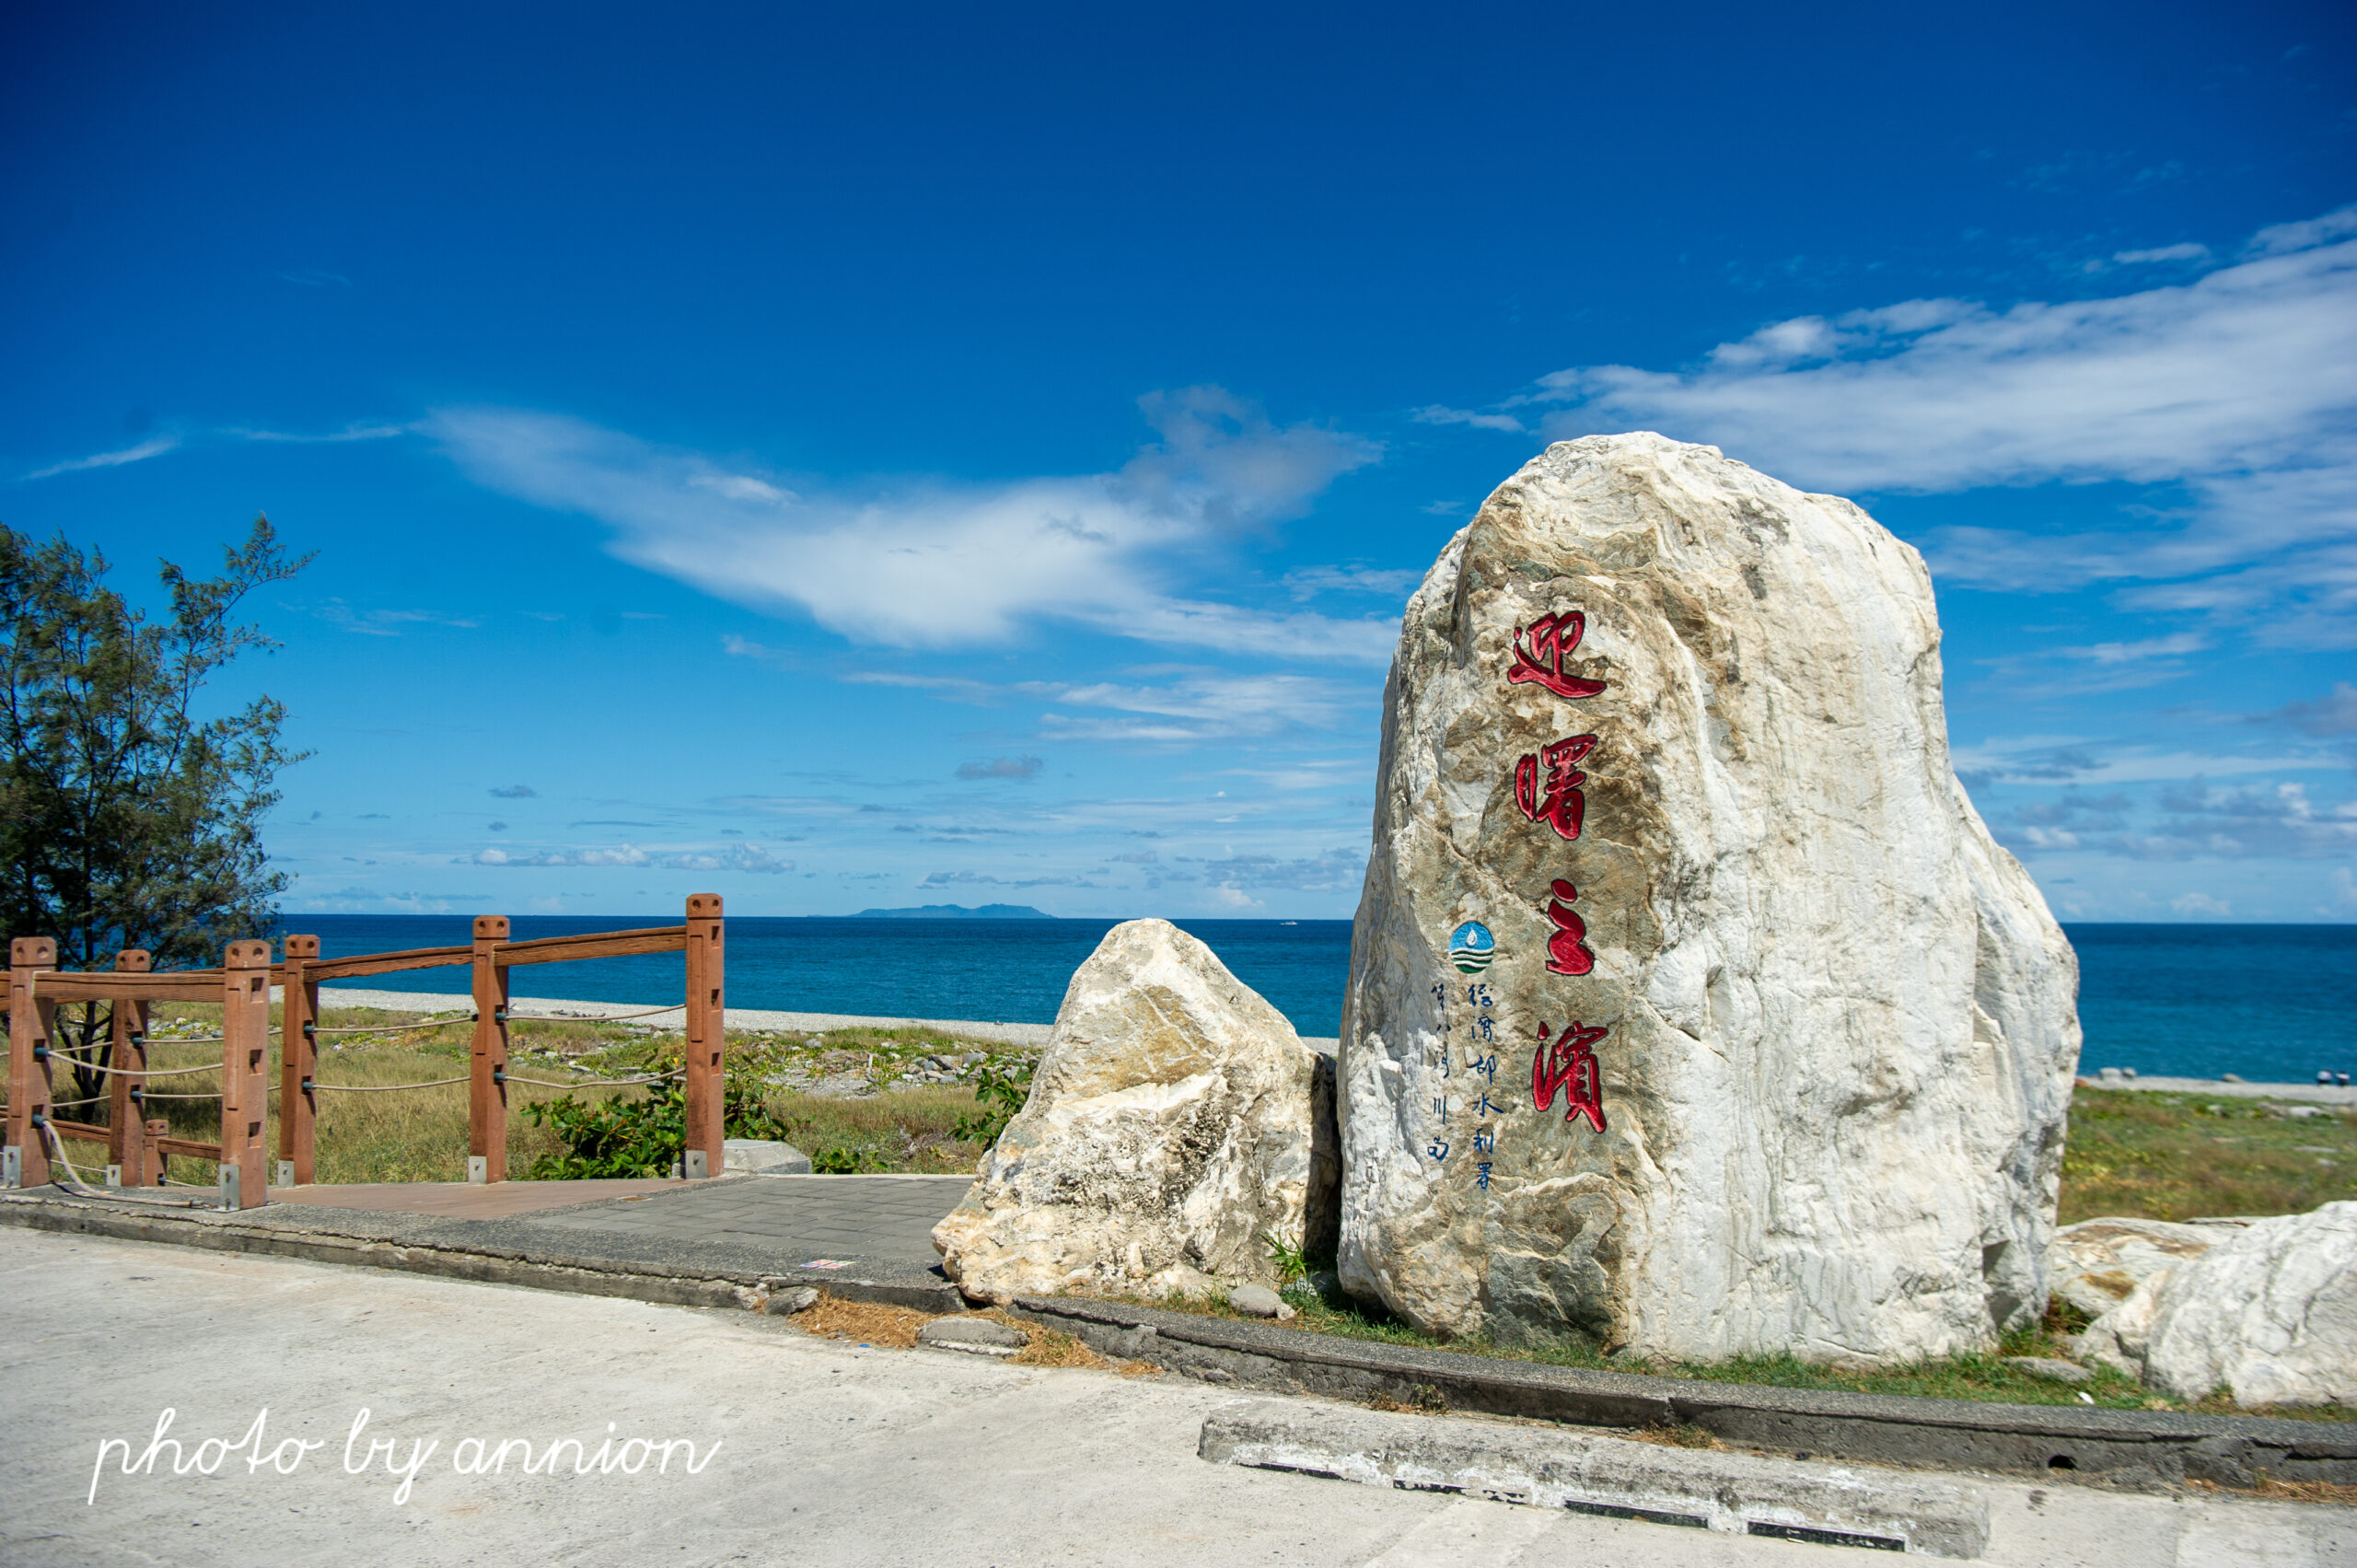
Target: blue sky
[{"x": 862, "y": 456}]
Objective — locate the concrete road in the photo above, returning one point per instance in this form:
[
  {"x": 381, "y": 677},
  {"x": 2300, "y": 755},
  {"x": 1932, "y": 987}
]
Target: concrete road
[{"x": 805, "y": 1451}]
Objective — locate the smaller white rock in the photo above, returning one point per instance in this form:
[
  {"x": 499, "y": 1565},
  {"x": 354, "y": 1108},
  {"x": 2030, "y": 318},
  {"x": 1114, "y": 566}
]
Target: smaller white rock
[
  {"x": 763, "y": 1156},
  {"x": 1166, "y": 1141},
  {"x": 1258, "y": 1301},
  {"x": 2095, "y": 1264},
  {"x": 2268, "y": 1314},
  {"x": 976, "y": 1336},
  {"x": 2048, "y": 1367}
]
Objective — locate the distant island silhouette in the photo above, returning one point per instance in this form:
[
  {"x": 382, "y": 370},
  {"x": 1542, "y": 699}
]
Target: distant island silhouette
[{"x": 957, "y": 912}]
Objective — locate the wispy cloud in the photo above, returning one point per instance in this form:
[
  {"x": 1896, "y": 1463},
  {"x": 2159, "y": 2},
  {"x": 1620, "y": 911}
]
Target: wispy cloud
[
  {"x": 2235, "y": 385},
  {"x": 1308, "y": 582},
  {"x": 377, "y": 431},
  {"x": 939, "y": 563},
  {"x": 2261, "y": 822},
  {"x": 154, "y": 446},
  {"x": 2170, "y": 646},
  {"x": 728, "y": 857},
  {"x": 1002, "y": 768},
  {"x": 2332, "y": 715},
  {"x": 1436, "y": 414},
  {"x": 2032, "y": 760},
  {"x": 1337, "y": 870},
  {"x": 1167, "y": 703},
  {"x": 984, "y": 880},
  {"x": 387, "y": 622},
  {"x": 315, "y": 277},
  {"x": 2187, "y": 251},
  {"x": 158, "y": 446}
]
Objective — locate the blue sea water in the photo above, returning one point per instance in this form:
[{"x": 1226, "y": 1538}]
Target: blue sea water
[
  {"x": 1010, "y": 972},
  {"x": 2270, "y": 1002}
]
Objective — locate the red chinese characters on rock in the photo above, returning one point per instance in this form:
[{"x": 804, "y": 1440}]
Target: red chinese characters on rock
[
  {"x": 1551, "y": 640},
  {"x": 1547, "y": 788},
  {"x": 1547, "y": 784},
  {"x": 1567, "y": 948},
  {"x": 1569, "y": 1065}
]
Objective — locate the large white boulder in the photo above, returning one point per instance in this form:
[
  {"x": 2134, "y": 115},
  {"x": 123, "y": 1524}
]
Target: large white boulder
[
  {"x": 1692, "y": 1010},
  {"x": 2268, "y": 1314},
  {"x": 1166, "y": 1141}
]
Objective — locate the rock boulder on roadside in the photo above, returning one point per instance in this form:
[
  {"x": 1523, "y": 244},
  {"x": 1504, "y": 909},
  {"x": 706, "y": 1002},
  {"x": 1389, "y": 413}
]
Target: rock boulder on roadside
[
  {"x": 1692, "y": 1009},
  {"x": 1165, "y": 1143},
  {"x": 2268, "y": 1314},
  {"x": 2094, "y": 1264}
]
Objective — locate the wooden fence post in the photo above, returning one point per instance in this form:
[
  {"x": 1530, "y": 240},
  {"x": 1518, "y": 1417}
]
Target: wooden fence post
[
  {"x": 487, "y": 1069},
  {"x": 245, "y": 1074},
  {"x": 127, "y": 1148},
  {"x": 706, "y": 1040},
  {"x": 28, "y": 1027},
  {"x": 298, "y": 1063}
]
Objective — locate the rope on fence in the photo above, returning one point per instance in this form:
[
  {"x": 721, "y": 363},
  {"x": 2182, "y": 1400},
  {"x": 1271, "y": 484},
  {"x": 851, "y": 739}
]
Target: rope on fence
[
  {"x": 81, "y": 1066},
  {"x": 82, "y": 1189},
  {"x": 383, "y": 1088},
  {"x": 589, "y": 1082},
  {"x": 591, "y": 1017},
  {"x": 149, "y": 1094},
  {"x": 392, "y": 1028}
]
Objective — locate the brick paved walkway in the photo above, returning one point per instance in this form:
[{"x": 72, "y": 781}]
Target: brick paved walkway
[
  {"x": 877, "y": 1220},
  {"x": 466, "y": 1200}
]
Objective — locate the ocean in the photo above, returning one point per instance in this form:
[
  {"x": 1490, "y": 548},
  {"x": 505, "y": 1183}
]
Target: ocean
[{"x": 2270, "y": 1003}]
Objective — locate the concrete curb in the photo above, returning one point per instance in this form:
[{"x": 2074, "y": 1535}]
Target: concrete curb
[
  {"x": 1731, "y": 1493},
  {"x": 2134, "y": 1449},
  {"x": 609, "y": 1277}
]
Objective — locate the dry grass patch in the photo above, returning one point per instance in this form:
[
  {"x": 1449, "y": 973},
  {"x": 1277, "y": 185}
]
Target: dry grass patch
[
  {"x": 1053, "y": 1347},
  {"x": 2276, "y": 1491},
  {"x": 1423, "y": 1400},
  {"x": 865, "y": 1322},
  {"x": 1675, "y": 1434}
]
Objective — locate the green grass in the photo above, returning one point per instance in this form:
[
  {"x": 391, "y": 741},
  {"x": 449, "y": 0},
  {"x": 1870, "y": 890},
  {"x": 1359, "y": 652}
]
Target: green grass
[{"x": 2143, "y": 1154}]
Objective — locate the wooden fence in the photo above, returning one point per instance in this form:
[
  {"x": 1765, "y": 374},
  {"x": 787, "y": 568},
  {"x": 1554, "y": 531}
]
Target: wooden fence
[{"x": 242, "y": 986}]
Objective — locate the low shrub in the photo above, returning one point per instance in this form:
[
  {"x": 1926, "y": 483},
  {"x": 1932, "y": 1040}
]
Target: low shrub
[{"x": 622, "y": 1137}]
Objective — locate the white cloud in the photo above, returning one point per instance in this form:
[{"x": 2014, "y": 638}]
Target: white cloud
[
  {"x": 154, "y": 446},
  {"x": 728, "y": 857},
  {"x": 2034, "y": 760},
  {"x": 2188, "y": 251},
  {"x": 386, "y": 622},
  {"x": 2306, "y": 235},
  {"x": 1308, "y": 582},
  {"x": 2170, "y": 646},
  {"x": 942, "y": 564},
  {"x": 1170, "y": 702},
  {"x": 1436, "y": 414},
  {"x": 2237, "y": 386},
  {"x": 332, "y": 438}
]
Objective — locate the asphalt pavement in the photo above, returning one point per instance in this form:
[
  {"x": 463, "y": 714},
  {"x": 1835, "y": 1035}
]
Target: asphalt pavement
[{"x": 804, "y": 1450}]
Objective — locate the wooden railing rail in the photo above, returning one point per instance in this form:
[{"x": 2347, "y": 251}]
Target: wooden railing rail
[{"x": 136, "y": 1147}]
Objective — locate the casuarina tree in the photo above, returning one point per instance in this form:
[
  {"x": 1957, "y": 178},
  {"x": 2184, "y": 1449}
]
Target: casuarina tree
[{"x": 131, "y": 804}]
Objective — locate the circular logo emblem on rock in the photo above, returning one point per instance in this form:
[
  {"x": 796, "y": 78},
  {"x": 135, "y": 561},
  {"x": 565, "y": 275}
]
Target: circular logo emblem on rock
[{"x": 1470, "y": 948}]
